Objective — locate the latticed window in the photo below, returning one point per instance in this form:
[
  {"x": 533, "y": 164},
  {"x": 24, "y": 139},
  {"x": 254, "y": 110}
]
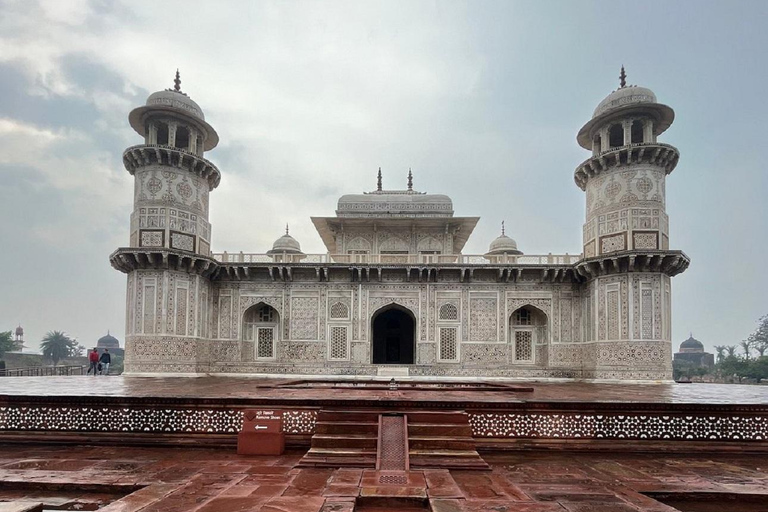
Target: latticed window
[
  {"x": 265, "y": 342},
  {"x": 523, "y": 346},
  {"x": 449, "y": 312},
  {"x": 266, "y": 314},
  {"x": 448, "y": 344},
  {"x": 338, "y": 340},
  {"x": 522, "y": 317},
  {"x": 339, "y": 310}
]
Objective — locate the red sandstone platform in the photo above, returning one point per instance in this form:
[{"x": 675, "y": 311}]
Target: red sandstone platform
[{"x": 508, "y": 416}]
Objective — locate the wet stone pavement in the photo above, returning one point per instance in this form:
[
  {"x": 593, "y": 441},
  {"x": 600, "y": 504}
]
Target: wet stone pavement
[
  {"x": 205, "y": 480},
  {"x": 288, "y": 390}
]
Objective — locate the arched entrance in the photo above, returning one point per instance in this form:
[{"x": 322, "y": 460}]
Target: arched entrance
[{"x": 393, "y": 336}]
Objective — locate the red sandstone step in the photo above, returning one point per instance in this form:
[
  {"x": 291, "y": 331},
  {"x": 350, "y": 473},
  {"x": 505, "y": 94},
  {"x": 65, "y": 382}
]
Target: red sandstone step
[
  {"x": 436, "y": 429},
  {"x": 344, "y": 440},
  {"x": 327, "y": 427},
  {"x": 435, "y": 443},
  {"x": 442, "y": 417},
  {"x": 337, "y": 416}
]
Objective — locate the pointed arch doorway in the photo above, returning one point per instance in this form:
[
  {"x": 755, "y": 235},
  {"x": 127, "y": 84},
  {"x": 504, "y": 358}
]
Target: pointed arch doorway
[{"x": 393, "y": 335}]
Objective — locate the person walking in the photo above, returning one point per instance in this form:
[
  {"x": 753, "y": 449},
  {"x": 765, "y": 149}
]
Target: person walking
[
  {"x": 105, "y": 359},
  {"x": 93, "y": 360}
]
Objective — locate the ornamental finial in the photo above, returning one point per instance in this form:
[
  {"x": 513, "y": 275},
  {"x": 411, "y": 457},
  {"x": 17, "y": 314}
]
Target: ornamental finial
[
  {"x": 410, "y": 179},
  {"x": 622, "y": 78},
  {"x": 177, "y": 81},
  {"x": 502, "y": 228},
  {"x": 286, "y": 228},
  {"x": 378, "y": 181}
]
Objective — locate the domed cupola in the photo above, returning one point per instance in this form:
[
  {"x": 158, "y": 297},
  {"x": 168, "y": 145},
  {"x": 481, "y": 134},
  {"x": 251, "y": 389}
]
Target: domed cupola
[
  {"x": 171, "y": 118},
  {"x": 503, "y": 246},
  {"x": 19, "y": 331},
  {"x": 629, "y": 115},
  {"x": 286, "y": 244},
  {"x": 691, "y": 345}
]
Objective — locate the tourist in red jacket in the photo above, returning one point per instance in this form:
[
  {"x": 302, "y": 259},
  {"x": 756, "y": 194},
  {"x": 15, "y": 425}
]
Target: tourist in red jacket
[{"x": 93, "y": 359}]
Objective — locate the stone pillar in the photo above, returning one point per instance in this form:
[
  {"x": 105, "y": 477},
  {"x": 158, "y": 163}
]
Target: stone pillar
[
  {"x": 604, "y": 140},
  {"x": 626, "y": 125},
  {"x": 648, "y": 135}
]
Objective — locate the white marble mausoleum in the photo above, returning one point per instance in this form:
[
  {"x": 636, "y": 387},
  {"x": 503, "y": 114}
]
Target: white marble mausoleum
[{"x": 394, "y": 295}]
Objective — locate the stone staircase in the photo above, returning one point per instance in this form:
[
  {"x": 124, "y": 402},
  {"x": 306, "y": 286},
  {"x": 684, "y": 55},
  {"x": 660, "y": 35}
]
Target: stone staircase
[
  {"x": 343, "y": 438},
  {"x": 442, "y": 440},
  {"x": 357, "y": 438}
]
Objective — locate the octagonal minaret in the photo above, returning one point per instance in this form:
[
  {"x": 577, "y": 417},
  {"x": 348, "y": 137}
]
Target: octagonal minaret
[
  {"x": 627, "y": 262},
  {"x": 625, "y": 177},
  {"x": 173, "y": 179},
  {"x": 168, "y": 258}
]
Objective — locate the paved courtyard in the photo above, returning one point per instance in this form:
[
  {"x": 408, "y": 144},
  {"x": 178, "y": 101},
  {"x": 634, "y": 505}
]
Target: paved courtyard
[{"x": 202, "y": 480}]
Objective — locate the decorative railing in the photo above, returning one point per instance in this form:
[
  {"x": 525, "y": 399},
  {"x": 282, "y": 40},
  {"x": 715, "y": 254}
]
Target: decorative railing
[
  {"x": 398, "y": 259},
  {"x": 42, "y": 371}
]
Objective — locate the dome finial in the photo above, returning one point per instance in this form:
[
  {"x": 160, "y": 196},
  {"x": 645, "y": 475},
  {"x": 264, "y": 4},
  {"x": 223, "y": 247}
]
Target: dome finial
[
  {"x": 177, "y": 81},
  {"x": 286, "y": 228},
  {"x": 623, "y": 78},
  {"x": 410, "y": 179},
  {"x": 502, "y": 229},
  {"x": 378, "y": 181}
]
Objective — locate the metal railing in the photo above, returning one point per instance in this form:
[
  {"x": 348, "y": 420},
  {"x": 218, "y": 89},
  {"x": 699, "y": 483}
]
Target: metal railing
[
  {"x": 43, "y": 371},
  {"x": 397, "y": 259}
]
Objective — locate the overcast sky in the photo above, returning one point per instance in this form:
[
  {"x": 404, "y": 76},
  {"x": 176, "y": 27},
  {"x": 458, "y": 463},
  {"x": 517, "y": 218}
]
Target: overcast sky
[{"x": 481, "y": 99}]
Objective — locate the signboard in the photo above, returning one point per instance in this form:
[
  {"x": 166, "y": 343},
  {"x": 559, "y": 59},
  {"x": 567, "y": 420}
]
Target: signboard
[
  {"x": 262, "y": 433},
  {"x": 263, "y": 421}
]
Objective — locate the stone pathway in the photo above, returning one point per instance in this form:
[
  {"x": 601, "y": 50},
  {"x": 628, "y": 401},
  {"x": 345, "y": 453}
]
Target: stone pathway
[{"x": 204, "y": 480}]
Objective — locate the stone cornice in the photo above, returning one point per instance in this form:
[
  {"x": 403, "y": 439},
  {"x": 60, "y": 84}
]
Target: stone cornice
[
  {"x": 142, "y": 155},
  {"x": 670, "y": 263},
  {"x": 128, "y": 259},
  {"x": 661, "y": 155}
]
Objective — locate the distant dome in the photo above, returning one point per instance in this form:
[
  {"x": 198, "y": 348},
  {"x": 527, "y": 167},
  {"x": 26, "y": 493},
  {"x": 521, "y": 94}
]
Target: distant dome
[
  {"x": 286, "y": 244},
  {"x": 625, "y": 96},
  {"x": 20, "y": 331},
  {"x": 691, "y": 345},
  {"x": 108, "y": 341}
]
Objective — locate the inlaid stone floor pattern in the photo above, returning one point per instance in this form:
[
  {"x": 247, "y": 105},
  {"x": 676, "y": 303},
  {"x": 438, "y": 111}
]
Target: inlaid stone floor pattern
[{"x": 206, "y": 480}]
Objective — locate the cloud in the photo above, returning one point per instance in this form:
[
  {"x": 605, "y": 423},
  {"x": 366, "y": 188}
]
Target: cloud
[{"x": 482, "y": 101}]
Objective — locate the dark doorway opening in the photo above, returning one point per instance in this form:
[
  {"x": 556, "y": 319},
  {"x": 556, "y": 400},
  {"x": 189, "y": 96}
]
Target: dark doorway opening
[{"x": 393, "y": 337}]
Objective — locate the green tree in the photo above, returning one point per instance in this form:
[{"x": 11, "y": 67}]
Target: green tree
[
  {"x": 746, "y": 345},
  {"x": 758, "y": 368},
  {"x": 733, "y": 365},
  {"x": 6, "y": 342},
  {"x": 731, "y": 349},
  {"x": 720, "y": 349},
  {"x": 78, "y": 351},
  {"x": 759, "y": 338},
  {"x": 687, "y": 370},
  {"x": 56, "y": 346}
]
